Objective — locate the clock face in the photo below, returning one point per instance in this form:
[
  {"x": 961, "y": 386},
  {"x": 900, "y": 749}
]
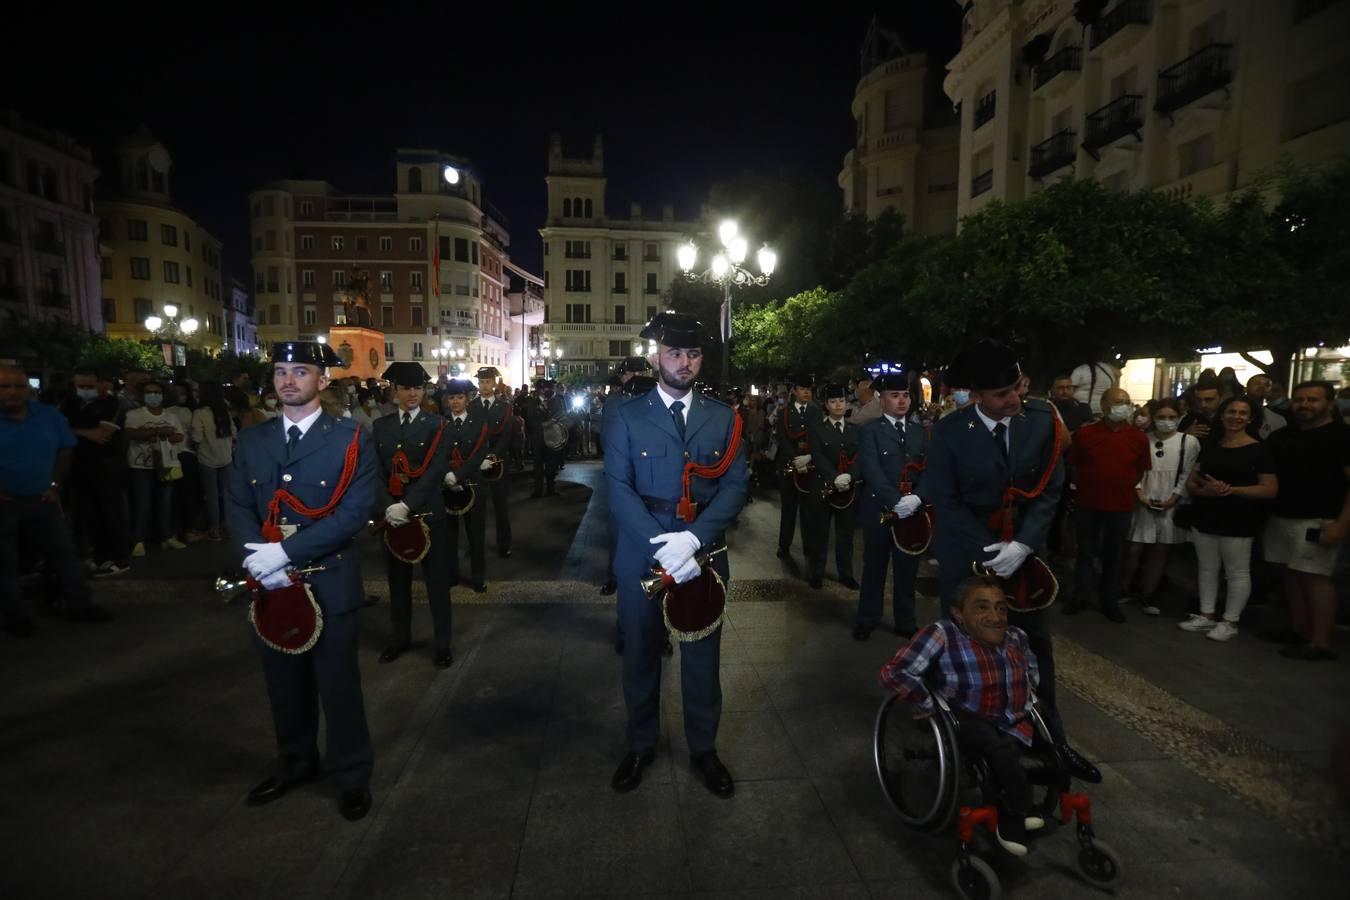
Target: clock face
[{"x": 374, "y": 358}]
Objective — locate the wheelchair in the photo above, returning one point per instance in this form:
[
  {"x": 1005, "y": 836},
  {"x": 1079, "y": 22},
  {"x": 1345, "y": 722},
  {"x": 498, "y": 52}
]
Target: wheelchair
[{"x": 929, "y": 786}]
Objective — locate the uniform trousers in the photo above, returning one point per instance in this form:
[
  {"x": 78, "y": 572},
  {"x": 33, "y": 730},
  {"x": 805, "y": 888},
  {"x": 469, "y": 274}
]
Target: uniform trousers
[
  {"x": 436, "y": 574},
  {"x": 475, "y": 521},
  {"x": 880, "y": 554}
]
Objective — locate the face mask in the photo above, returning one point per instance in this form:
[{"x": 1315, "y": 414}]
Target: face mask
[
  {"x": 270, "y": 402},
  {"x": 1165, "y": 426},
  {"x": 1120, "y": 412},
  {"x": 961, "y": 397},
  {"x": 87, "y": 394},
  {"x": 1141, "y": 421},
  {"x": 154, "y": 399}
]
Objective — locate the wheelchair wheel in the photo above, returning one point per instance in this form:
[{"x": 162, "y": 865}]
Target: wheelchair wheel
[
  {"x": 1099, "y": 862},
  {"x": 917, "y": 765},
  {"x": 975, "y": 880}
]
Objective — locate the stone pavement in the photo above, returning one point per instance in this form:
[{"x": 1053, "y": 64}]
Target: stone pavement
[{"x": 128, "y": 749}]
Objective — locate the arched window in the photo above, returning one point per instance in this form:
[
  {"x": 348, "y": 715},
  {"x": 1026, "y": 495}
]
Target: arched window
[
  {"x": 567, "y": 207},
  {"x": 588, "y": 208},
  {"x": 414, "y": 181}
]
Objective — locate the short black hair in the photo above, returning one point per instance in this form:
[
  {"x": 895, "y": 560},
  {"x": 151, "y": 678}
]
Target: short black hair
[
  {"x": 971, "y": 585},
  {"x": 1326, "y": 386}
]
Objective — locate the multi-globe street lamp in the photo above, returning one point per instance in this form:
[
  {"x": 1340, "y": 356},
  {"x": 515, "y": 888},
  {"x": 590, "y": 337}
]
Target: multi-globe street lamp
[
  {"x": 172, "y": 332},
  {"x": 726, "y": 270}
]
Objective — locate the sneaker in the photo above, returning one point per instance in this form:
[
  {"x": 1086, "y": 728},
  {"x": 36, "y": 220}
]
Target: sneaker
[
  {"x": 1196, "y": 623},
  {"x": 109, "y": 569},
  {"x": 1149, "y": 609},
  {"x": 1013, "y": 847},
  {"x": 138, "y": 550},
  {"x": 1034, "y": 823},
  {"x": 1222, "y": 631},
  {"x": 173, "y": 544}
]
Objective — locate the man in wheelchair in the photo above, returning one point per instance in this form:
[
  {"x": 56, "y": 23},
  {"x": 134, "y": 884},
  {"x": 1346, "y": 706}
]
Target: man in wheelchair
[{"x": 985, "y": 671}]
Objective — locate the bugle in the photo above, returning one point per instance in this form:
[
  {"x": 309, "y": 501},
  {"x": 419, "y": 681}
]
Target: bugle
[{"x": 231, "y": 588}]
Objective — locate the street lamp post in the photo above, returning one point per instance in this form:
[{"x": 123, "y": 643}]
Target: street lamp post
[
  {"x": 726, "y": 270},
  {"x": 168, "y": 329}
]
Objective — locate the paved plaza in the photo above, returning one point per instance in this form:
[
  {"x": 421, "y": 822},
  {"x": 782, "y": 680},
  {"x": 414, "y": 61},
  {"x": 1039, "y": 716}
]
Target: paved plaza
[{"x": 128, "y": 748}]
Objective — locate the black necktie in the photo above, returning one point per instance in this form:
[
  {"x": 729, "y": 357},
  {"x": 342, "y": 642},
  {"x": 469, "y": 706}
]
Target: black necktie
[
  {"x": 677, "y": 413},
  {"x": 407, "y": 418},
  {"x": 900, "y": 429},
  {"x": 293, "y": 434},
  {"x": 458, "y": 421},
  {"x": 999, "y": 431},
  {"x": 839, "y": 427}
]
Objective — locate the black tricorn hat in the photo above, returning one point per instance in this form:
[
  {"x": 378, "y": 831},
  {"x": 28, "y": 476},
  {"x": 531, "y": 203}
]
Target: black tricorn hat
[
  {"x": 674, "y": 329},
  {"x": 459, "y": 386},
  {"x": 985, "y": 366},
  {"x": 406, "y": 374},
  {"x": 635, "y": 364},
  {"x": 310, "y": 352},
  {"x": 894, "y": 380},
  {"x": 639, "y": 384},
  {"x": 803, "y": 379},
  {"x": 488, "y": 372},
  {"x": 835, "y": 391}
]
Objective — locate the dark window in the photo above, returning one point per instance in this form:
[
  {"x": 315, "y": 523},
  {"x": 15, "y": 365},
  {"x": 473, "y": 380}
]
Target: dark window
[
  {"x": 109, "y": 309},
  {"x": 142, "y": 309},
  {"x": 170, "y": 272},
  {"x": 274, "y": 313},
  {"x": 414, "y": 181},
  {"x": 618, "y": 348},
  {"x": 651, "y": 313},
  {"x": 620, "y": 315},
  {"x": 386, "y": 317},
  {"x": 168, "y": 235},
  {"x": 473, "y": 252},
  {"x": 567, "y": 207},
  {"x": 140, "y": 269},
  {"x": 588, "y": 208},
  {"x": 137, "y": 230},
  {"x": 105, "y": 267},
  {"x": 620, "y": 283},
  {"x": 417, "y": 317},
  {"x": 461, "y": 250},
  {"x": 189, "y": 278},
  {"x": 651, "y": 283},
  {"x": 361, "y": 245}
]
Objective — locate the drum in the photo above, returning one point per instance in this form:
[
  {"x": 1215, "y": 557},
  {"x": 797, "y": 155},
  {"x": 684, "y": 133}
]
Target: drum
[
  {"x": 408, "y": 542},
  {"x": 555, "y": 434},
  {"x": 288, "y": 619},
  {"x": 494, "y": 473},
  {"x": 457, "y": 503},
  {"x": 694, "y": 610},
  {"x": 913, "y": 534},
  {"x": 1033, "y": 586}
]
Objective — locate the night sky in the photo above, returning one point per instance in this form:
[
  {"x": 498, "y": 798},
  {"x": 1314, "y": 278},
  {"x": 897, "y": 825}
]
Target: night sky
[{"x": 679, "y": 110}]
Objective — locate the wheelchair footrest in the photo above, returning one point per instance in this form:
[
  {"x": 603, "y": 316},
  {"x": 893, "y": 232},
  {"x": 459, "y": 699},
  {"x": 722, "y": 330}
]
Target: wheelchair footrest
[
  {"x": 970, "y": 818},
  {"x": 1075, "y": 805}
]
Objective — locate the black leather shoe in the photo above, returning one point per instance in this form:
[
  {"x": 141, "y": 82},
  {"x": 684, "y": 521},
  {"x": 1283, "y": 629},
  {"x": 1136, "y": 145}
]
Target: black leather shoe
[
  {"x": 444, "y": 658},
  {"x": 275, "y": 786},
  {"x": 505, "y": 554},
  {"x": 629, "y": 773},
  {"x": 667, "y": 649},
  {"x": 393, "y": 652},
  {"x": 355, "y": 803},
  {"x": 715, "y": 775},
  {"x": 862, "y": 632},
  {"x": 609, "y": 587},
  {"x": 849, "y": 583},
  {"x": 480, "y": 588},
  {"x": 95, "y": 614},
  {"x": 815, "y": 582},
  {"x": 1112, "y": 612},
  {"x": 1079, "y": 767}
]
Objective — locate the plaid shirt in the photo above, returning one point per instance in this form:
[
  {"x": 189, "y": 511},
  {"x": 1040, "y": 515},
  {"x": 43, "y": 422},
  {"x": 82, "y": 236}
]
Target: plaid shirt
[{"x": 993, "y": 683}]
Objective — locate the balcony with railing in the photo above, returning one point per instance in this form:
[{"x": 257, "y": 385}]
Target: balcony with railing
[
  {"x": 982, "y": 183},
  {"x": 1124, "y": 18},
  {"x": 985, "y": 108},
  {"x": 1123, "y": 115},
  {"x": 1068, "y": 59},
  {"x": 1053, "y": 153},
  {"x": 1203, "y": 72}
]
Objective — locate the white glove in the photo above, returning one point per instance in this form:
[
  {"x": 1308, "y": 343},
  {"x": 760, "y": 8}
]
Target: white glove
[
  {"x": 487, "y": 464},
  {"x": 908, "y": 505},
  {"x": 841, "y": 482},
  {"x": 277, "y": 580},
  {"x": 450, "y": 479},
  {"x": 397, "y": 513},
  {"x": 1010, "y": 557},
  {"x": 801, "y": 462},
  {"x": 265, "y": 559},
  {"x": 678, "y": 548},
  {"x": 687, "y": 572}
]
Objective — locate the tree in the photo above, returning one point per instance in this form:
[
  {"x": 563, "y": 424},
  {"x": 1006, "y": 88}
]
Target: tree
[
  {"x": 1288, "y": 265},
  {"x": 785, "y": 336},
  {"x": 55, "y": 345}
]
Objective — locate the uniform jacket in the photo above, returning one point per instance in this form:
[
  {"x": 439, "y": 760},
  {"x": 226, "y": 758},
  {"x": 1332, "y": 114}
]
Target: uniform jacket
[
  {"x": 260, "y": 467},
  {"x": 645, "y": 457},
  {"x": 787, "y": 446},
  {"x": 882, "y": 457},
  {"x": 495, "y": 415},
  {"x": 966, "y": 478},
  {"x": 423, "y": 494},
  {"x": 465, "y": 437},
  {"x": 826, "y": 443}
]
